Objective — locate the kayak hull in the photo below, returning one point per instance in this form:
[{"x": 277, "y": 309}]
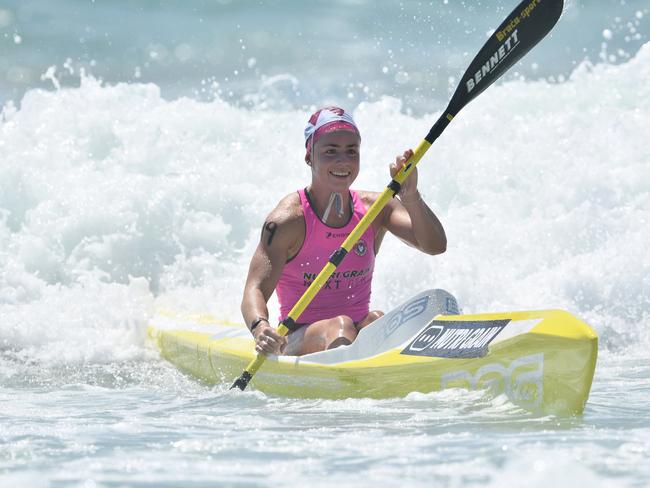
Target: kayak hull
[{"x": 547, "y": 368}]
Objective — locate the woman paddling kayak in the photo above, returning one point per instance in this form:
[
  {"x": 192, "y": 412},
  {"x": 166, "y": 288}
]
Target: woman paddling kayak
[{"x": 306, "y": 226}]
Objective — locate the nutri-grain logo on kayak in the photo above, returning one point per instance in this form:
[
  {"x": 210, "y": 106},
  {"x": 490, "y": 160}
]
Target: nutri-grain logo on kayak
[{"x": 455, "y": 339}]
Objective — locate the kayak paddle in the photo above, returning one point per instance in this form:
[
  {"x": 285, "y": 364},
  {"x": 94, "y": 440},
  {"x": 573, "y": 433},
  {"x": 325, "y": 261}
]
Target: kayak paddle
[{"x": 526, "y": 25}]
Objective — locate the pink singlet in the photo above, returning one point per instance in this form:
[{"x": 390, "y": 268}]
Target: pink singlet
[{"x": 347, "y": 292}]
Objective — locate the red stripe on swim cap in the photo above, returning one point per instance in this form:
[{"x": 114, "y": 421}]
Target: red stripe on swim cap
[{"x": 328, "y": 119}]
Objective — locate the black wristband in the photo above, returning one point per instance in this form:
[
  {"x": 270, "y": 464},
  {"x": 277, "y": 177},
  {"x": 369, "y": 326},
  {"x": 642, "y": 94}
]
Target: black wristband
[{"x": 257, "y": 321}]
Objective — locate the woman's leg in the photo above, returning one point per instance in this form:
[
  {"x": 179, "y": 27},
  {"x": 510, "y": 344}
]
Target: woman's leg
[
  {"x": 369, "y": 319},
  {"x": 321, "y": 335}
]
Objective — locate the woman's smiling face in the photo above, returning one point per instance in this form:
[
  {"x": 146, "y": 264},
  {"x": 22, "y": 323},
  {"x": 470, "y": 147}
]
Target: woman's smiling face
[{"x": 335, "y": 160}]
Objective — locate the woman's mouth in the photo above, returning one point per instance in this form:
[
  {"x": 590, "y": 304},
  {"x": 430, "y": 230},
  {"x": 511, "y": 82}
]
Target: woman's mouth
[{"x": 340, "y": 174}]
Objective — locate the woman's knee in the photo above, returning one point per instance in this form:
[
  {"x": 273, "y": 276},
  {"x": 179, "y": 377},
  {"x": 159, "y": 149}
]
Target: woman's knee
[
  {"x": 325, "y": 334},
  {"x": 341, "y": 332},
  {"x": 369, "y": 319},
  {"x": 342, "y": 326},
  {"x": 374, "y": 315}
]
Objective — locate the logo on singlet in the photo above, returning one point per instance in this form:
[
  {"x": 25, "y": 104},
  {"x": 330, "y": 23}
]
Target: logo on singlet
[
  {"x": 332, "y": 235},
  {"x": 360, "y": 248}
]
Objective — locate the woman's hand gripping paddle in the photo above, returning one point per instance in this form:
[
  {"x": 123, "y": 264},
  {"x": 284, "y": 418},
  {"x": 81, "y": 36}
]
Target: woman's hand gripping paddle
[{"x": 526, "y": 25}]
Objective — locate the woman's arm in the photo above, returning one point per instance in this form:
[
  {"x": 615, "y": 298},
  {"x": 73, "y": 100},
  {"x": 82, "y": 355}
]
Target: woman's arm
[
  {"x": 410, "y": 218},
  {"x": 281, "y": 236}
]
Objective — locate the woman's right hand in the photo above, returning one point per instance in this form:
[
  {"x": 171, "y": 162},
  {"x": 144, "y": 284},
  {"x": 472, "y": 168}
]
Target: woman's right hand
[{"x": 267, "y": 339}]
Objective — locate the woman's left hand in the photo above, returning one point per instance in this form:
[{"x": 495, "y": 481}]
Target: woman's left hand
[{"x": 409, "y": 188}]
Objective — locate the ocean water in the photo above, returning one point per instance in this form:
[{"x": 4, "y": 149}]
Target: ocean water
[{"x": 143, "y": 143}]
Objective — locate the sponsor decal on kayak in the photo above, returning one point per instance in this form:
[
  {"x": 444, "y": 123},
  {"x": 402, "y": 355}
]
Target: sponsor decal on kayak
[
  {"x": 455, "y": 339},
  {"x": 451, "y": 306},
  {"x": 411, "y": 310},
  {"x": 522, "y": 380}
]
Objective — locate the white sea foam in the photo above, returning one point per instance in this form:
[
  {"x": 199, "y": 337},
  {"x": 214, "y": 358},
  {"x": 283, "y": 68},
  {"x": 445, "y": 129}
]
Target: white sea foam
[{"x": 114, "y": 201}]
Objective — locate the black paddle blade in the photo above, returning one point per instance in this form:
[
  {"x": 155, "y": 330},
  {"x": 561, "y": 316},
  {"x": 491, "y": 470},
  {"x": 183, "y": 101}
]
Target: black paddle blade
[
  {"x": 528, "y": 23},
  {"x": 242, "y": 381}
]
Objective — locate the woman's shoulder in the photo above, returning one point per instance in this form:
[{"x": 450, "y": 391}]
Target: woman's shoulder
[
  {"x": 288, "y": 211},
  {"x": 367, "y": 197}
]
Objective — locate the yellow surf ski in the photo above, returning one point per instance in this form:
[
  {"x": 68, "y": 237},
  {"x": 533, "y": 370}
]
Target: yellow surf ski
[{"x": 543, "y": 360}]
